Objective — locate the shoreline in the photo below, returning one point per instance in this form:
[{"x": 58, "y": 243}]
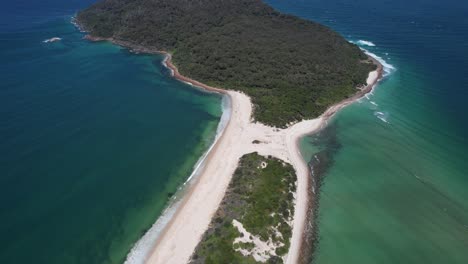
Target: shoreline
[
  {"x": 140, "y": 249},
  {"x": 309, "y": 221},
  {"x": 302, "y": 128},
  {"x": 178, "y": 239},
  {"x": 295, "y": 133}
]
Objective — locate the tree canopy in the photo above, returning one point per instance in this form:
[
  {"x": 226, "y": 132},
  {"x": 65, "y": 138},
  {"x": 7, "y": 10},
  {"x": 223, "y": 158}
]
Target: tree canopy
[{"x": 292, "y": 68}]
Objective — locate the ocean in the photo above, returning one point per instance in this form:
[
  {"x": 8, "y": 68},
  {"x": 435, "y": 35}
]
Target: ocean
[
  {"x": 392, "y": 167},
  {"x": 94, "y": 140}
]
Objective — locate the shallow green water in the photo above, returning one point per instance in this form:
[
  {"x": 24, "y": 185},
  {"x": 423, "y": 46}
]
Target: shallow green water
[
  {"x": 394, "y": 171},
  {"x": 390, "y": 194}
]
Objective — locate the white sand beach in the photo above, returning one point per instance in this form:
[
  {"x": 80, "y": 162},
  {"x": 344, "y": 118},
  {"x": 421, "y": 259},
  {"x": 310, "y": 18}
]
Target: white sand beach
[{"x": 179, "y": 238}]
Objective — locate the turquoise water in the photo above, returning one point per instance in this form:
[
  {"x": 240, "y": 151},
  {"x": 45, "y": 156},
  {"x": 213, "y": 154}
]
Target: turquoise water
[
  {"x": 393, "y": 166},
  {"x": 93, "y": 139}
]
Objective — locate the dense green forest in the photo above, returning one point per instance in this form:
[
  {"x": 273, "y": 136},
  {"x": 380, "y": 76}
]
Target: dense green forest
[
  {"x": 260, "y": 196},
  {"x": 292, "y": 68}
]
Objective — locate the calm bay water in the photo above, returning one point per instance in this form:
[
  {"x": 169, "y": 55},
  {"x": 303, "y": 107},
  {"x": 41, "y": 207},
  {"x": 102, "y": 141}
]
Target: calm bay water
[
  {"x": 394, "y": 187},
  {"x": 93, "y": 139}
]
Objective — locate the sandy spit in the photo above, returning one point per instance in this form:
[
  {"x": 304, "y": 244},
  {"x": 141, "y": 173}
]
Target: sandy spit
[
  {"x": 181, "y": 235},
  {"x": 179, "y": 239}
]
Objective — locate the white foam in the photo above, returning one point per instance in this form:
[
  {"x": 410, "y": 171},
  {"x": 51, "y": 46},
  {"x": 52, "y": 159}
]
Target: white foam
[
  {"x": 365, "y": 43},
  {"x": 387, "y": 67},
  {"x": 382, "y": 116},
  {"x": 73, "y": 21},
  {"x": 144, "y": 245},
  {"x": 164, "y": 63},
  {"x": 383, "y": 119},
  {"x": 54, "y": 39}
]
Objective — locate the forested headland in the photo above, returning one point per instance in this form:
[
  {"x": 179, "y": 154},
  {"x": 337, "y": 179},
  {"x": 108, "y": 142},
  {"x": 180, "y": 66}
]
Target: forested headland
[{"x": 292, "y": 68}]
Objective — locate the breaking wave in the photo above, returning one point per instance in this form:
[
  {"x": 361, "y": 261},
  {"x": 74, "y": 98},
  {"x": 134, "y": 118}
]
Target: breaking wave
[
  {"x": 54, "y": 39},
  {"x": 382, "y": 116},
  {"x": 365, "y": 43},
  {"x": 387, "y": 67}
]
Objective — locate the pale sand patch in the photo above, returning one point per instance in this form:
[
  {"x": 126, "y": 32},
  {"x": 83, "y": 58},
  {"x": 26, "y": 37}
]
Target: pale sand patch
[
  {"x": 261, "y": 251},
  {"x": 372, "y": 77}
]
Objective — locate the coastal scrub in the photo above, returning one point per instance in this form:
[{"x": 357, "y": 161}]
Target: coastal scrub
[{"x": 253, "y": 222}]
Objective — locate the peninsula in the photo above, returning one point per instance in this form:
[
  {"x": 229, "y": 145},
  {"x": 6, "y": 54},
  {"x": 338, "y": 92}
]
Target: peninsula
[{"x": 284, "y": 77}]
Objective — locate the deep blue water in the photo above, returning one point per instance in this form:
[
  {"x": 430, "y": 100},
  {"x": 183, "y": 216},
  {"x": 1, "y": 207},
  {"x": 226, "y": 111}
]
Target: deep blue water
[{"x": 94, "y": 140}]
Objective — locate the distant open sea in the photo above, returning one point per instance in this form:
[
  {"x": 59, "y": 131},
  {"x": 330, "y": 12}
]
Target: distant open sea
[
  {"x": 95, "y": 140},
  {"x": 394, "y": 165}
]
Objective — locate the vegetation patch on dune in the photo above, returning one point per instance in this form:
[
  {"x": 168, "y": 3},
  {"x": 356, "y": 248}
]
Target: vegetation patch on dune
[{"x": 252, "y": 224}]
